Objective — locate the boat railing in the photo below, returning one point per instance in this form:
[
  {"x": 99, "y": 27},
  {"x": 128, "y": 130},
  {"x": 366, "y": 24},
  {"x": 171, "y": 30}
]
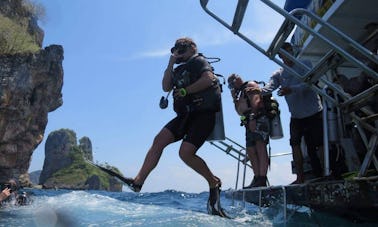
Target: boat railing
[{"x": 330, "y": 60}]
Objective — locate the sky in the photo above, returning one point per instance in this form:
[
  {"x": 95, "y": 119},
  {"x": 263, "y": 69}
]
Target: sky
[{"x": 115, "y": 53}]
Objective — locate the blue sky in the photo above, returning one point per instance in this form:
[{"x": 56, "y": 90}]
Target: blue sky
[{"x": 115, "y": 53}]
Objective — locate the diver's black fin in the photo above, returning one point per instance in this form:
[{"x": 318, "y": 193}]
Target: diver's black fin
[
  {"x": 213, "y": 203},
  {"x": 129, "y": 182},
  {"x": 216, "y": 210}
]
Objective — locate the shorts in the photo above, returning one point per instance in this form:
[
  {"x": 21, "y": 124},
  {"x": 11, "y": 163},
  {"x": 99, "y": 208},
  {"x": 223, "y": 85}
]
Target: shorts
[
  {"x": 193, "y": 127},
  {"x": 260, "y": 134},
  {"x": 311, "y": 128}
]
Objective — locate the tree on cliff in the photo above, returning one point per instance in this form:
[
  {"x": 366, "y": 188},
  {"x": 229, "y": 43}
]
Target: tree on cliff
[{"x": 19, "y": 32}]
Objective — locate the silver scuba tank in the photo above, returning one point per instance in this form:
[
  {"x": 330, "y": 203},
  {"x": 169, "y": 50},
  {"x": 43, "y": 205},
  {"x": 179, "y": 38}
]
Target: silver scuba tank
[
  {"x": 276, "y": 131},
  {"x": 218, "y": 131},
  {"x": 332, "y": 123}
]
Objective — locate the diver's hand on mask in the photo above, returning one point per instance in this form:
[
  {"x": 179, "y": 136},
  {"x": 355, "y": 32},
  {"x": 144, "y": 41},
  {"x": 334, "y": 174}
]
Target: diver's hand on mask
[
  {"x": 176, "y": 58},
  {"x": 172, "y": 60}
]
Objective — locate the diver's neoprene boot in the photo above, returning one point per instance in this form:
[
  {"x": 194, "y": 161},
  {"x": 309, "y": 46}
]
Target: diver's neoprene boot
[{"x": 213, "y": 203}]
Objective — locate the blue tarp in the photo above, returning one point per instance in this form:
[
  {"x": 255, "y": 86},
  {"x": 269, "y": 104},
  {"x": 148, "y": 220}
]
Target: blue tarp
[{"x": 293, "y": 4}]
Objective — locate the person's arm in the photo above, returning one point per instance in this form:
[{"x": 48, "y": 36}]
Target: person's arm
[
  {"x": 167, "y": 83},
  {"x": 206, "y": 77},
  {"x": 5, "y": 194},
  {"x": 273, "y": 83},
  {"x": 236, "y": 100},
  {"x": 206, "y": 80}
]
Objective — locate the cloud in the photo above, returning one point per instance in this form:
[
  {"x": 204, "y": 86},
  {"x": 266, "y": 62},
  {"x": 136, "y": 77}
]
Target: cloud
[
  {"x": 157, "y": 53},
  {"x": 214, "y": 37},
  {"x": 206, "y": 38},
  {"x": 154, "y": 53},
  {"x": 260, "y": 25}
]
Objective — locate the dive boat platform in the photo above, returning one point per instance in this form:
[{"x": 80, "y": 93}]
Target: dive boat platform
[{"x": 355, "y": 199}]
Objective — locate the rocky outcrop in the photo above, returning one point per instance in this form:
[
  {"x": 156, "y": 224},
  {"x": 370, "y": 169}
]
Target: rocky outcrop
[
  {"x": 65, "y": 165},
  {"x": 31, "y": 82},
  {"x": 34, "y": 176},
  {"x": 30, "y": 88},
  {"x": 85, "y": 145},
  {"x": 58, "y": 146}
]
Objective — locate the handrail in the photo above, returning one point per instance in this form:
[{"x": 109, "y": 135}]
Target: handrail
[
  {"x": 290, "y": 18},
  {"x": 239, "y": 14}
]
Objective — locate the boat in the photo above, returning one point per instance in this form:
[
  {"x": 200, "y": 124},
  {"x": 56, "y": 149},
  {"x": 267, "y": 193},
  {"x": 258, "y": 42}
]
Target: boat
[{"x": 340, "y": 38}]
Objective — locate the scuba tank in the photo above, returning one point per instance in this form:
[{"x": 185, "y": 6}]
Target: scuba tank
[
  {"x": 218, "y": 131},
  {"x": 276, "y": 131}
]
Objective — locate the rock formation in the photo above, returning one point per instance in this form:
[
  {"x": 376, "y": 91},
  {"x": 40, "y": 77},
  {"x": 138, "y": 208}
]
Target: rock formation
[
  {"x": 34, "y": 176},
  {"x": 58, "y": 146},
  {"x": 30, "y": 88},
  {"x": 65, "y": 167},
  {"x": 85, "y": 145}
]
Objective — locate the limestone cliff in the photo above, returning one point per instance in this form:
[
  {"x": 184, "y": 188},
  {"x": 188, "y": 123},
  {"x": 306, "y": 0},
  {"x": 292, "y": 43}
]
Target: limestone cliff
[
  {"x": 30, "y": 88},
  {"x": 34, "y": 176},
  {"x": 65, "y": 167},
  {"x": 58, "y": 146},
  {"x": 86, "y": 146},
  {"x": 31, "y": 81}
]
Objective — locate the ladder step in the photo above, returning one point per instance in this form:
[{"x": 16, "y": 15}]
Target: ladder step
[
  {"x": 330, "y": 61},
  {"x": 229, "y": 148},
  {"x": 239, "y": 15}
]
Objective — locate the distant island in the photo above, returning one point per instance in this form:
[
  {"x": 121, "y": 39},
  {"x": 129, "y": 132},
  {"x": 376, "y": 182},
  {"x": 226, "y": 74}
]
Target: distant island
[{"x": 65, "y": 165}]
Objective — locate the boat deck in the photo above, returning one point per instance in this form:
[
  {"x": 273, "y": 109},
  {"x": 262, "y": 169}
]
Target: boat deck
[{"x": 357, "y": 199}]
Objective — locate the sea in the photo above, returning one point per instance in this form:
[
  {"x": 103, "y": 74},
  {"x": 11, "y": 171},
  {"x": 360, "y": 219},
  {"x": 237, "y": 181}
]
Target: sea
[{"x": 167, "y": 208}]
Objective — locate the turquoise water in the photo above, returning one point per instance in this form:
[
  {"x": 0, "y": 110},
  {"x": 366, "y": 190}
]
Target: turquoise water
[{"x": 168, "y": 208}]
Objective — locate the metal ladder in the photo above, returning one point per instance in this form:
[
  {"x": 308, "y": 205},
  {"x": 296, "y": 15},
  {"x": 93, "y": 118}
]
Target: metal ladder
[
  {"x": 238, "y": 152},
  {"x": 314, "y": 77}
]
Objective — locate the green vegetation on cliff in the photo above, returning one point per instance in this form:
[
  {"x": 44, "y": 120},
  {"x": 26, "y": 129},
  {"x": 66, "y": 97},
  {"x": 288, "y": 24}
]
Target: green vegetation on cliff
[{"x": 15, "y": 36}]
